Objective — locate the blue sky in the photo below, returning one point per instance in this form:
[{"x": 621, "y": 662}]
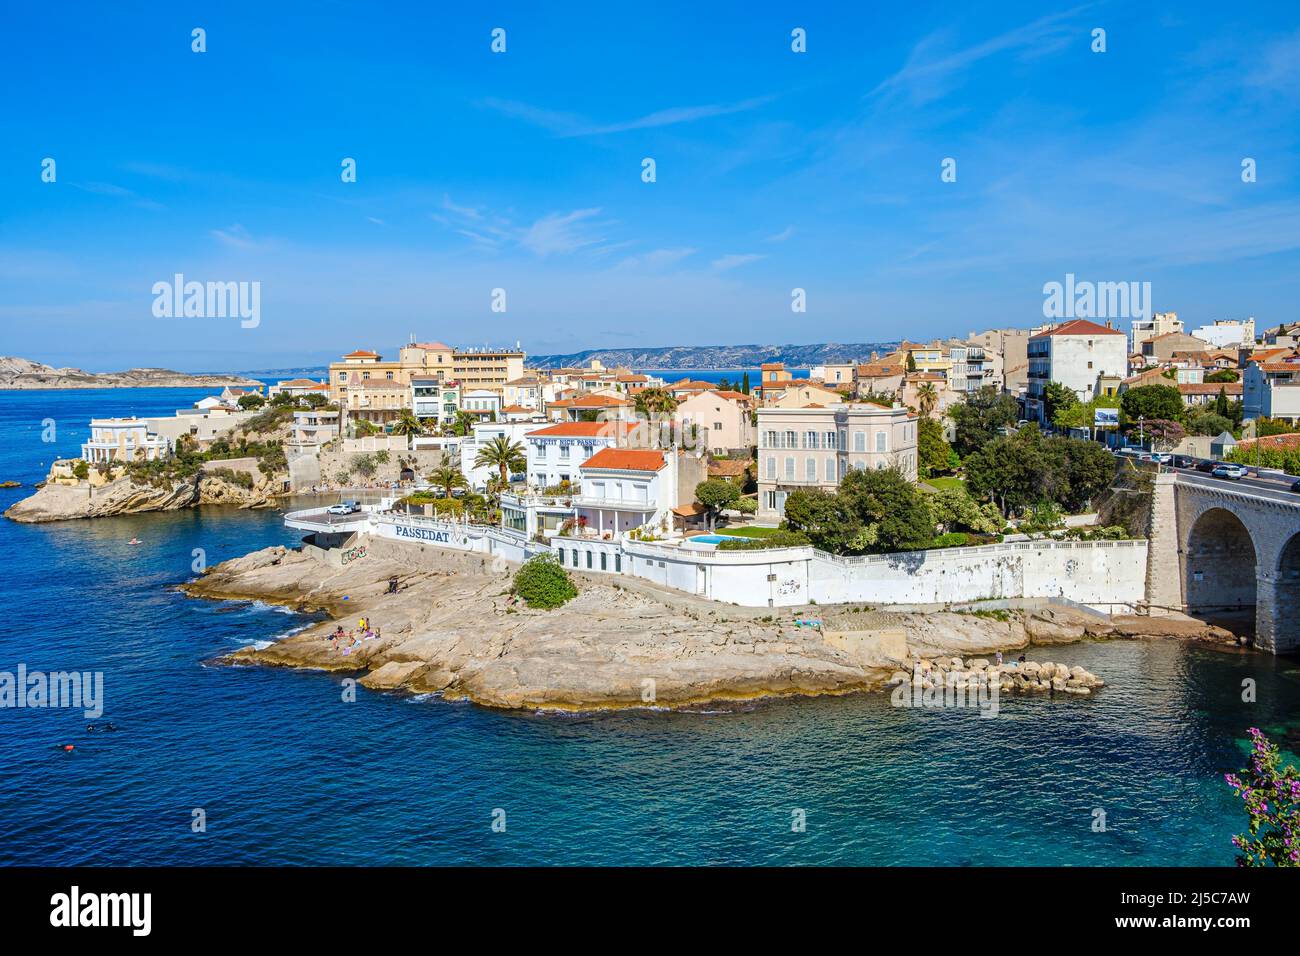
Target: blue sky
[{"x": 522, "y": 171}]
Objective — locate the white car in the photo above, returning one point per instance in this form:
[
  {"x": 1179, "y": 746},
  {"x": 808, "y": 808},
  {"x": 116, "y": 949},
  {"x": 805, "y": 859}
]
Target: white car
[
  {"x": 1161, "y": 458},
  {"x": 344, "y": 508},
  {"x": 1229, "y": 470}
]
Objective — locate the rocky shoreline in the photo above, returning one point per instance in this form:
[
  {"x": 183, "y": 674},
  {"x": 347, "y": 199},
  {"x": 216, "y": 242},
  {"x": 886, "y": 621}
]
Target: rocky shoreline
[
  {"x": 58, "y": 502},
  {"x": 453, "y": 629}
]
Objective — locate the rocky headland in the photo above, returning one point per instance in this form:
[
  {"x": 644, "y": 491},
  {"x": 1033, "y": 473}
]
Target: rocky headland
[
  {"x": 21, "y": 373},
  {"x": 453, "y": 628},
  {"x": 60, "y": 502}
]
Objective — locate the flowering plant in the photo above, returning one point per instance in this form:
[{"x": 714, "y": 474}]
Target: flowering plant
[{"x": 1272, "y": 797}]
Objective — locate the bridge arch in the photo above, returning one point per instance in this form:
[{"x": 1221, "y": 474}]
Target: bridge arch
[
  {"x": 1220, "y": 567},
  {"x": 1286, "y": 599}
]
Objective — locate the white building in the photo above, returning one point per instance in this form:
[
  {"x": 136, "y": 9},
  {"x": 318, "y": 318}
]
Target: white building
[
  {"x": 1228, "y": 333},
  {"x": 123, "y": 439},
  {"x": 815, "y": 447},
  {"x": 555, "y": 452},
  {"x": 298, "y": 387},
  {"x": 1074, "y": 354},
  {"x": 1271, "y": 390},
  {"x": 626, "y": 488},
  {"x": 483, "y": 402},
  {"x": 433, "y": 399}
]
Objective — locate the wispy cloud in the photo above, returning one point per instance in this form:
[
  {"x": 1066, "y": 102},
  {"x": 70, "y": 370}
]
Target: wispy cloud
[
  {"x": 781, "y": 236},
  {"x": 571, "y": 124},
  {"x": 236, "y": 237},
  {"x": 932, "y": 68},
  {"x": 558, "y": 233},
  {"x": 658, "y": 258},
  {"x": 734, "y": 261},
  {"x": 115, "y": 191}
]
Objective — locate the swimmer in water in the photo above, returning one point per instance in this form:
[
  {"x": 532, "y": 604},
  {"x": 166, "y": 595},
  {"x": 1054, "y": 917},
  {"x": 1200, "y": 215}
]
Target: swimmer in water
[{"x": 134, "y": 541}]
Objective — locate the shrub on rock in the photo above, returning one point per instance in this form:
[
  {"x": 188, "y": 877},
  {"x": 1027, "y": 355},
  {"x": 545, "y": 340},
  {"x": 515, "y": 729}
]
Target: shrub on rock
[{"x": 543, "y": 583}]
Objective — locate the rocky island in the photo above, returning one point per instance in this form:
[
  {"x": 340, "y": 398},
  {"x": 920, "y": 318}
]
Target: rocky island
[
  {"x": 21, "y": 373},
  {"x": 454, "y": 628}
]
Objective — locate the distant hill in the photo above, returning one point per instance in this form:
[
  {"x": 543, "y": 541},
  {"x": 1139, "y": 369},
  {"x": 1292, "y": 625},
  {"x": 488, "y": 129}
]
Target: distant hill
[
  {"x": 20, "y": 373},
  {"x": 715, "y": 356}
]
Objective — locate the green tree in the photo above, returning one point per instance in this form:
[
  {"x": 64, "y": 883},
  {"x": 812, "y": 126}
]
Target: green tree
[
  {"x": 981, "y": 418},
  {"x": 250, "y": 401},
  {"x": 1152, "y": 401},
  {"x": 744, "y": 383},
  {"x": 927, "y": 396},
  {"x": 1057, "y": 398},
  {"x": 364, "y": 465},
  {"x": 716, "y": 494},
  {"x": 886, "y": 501},
  {"x": 407, "y": 424},
  {"x": 954, "y": 510},
  {"x": 1223, "y": 375},
  {"x": 1272, "y": 426},
  {"x": 933, "y": 453},
  {"x": 655, "y": 401},
  {"x": 543, "y": 583},
  {"x": 1206, "y": 422},
  {"x": 828, "y": 521},
  {"x": 447, "y": 477},
  {"x": 504, "y": 455},
  {"x": 911, "y": 362}
]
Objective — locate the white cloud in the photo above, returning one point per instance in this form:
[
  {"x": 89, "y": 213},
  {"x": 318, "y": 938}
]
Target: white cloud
[{"x": 735, "y": 260}]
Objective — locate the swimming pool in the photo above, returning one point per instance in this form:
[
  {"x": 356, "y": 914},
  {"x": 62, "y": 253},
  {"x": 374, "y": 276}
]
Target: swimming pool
[{"x": 714, "y": 538}]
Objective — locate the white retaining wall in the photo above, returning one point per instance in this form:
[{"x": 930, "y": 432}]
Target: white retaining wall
[{"x": 1104, "y": 574}]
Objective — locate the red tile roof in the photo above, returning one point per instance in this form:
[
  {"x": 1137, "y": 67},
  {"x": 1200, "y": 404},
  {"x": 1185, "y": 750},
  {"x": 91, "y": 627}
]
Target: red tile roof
[
  {"x": 362, "y": 353},
  {"x": 1078, "y": 327},
  {"x": 625, "y": 459},
  {"x": 431, "y": 346},
  {"x": 1210, "y": 388},
  {"x": 591, "y": 401}
]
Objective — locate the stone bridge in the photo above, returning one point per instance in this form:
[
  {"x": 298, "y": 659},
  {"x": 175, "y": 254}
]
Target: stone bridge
[{"x": 1221, "y": 547}]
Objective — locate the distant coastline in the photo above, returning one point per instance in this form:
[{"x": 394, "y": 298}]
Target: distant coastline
[{"x": 23, "y": 374}]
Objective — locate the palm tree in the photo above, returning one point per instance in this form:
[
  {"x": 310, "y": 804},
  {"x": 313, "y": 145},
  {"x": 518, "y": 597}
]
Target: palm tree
[
  {"x": 447, "y": 477},
  {"x": 407, "y": 424},
  {"x": 650, "y": 401},
  {"x": 927, "y": 397},
  {"x": 502, "y": 454}
]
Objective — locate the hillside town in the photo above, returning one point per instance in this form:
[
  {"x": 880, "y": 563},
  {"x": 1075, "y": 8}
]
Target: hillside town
[{"x": 476, "y": 431}]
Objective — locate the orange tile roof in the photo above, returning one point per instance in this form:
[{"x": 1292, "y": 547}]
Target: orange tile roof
[
  {"x": 591, "y": 401},
  {"x": 583, "y": 429},
  {"x": 361, "y": 352},
  {"x": 431, "y": 346},
  {"x": 625, "y": 459},
  {"x": 1078, "y": 327},
  {"x": 1286, "y": 442},
  {"x": 728, "y": 467},
  {"x": 1210, "y": 388}
]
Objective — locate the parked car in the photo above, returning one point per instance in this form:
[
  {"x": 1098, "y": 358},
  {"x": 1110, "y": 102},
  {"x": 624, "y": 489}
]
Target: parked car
[
  {"x": 1184, "y": 461},
  {"x": 1161, "y": 458},
  {"x": 1129, "y": 453},
  {"x": 1227, "y": 469},
  {"x": 344, "y": 508},
  {"x": 1206, "y": 466},
  {"x": 1296, "y": 487}
]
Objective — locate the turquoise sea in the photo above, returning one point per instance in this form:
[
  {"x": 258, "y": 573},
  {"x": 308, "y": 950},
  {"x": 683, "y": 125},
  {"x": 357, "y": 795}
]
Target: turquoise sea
[{"x": 286, "y": 772}]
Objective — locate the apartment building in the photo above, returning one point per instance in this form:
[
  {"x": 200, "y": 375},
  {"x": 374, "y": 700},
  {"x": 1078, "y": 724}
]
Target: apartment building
[
  {"x": 472, "y": 368},
  {"x": 1271, "y": 389},
  {"x": 1162, "y": 323},
  {"x": 1228, "y": 333},
  {"x": 1076, "y": 354},
  {"x": 718, "y": 421},
  {"x": 816, "y": 447},
  {"x": 1006, "y": 357}
]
